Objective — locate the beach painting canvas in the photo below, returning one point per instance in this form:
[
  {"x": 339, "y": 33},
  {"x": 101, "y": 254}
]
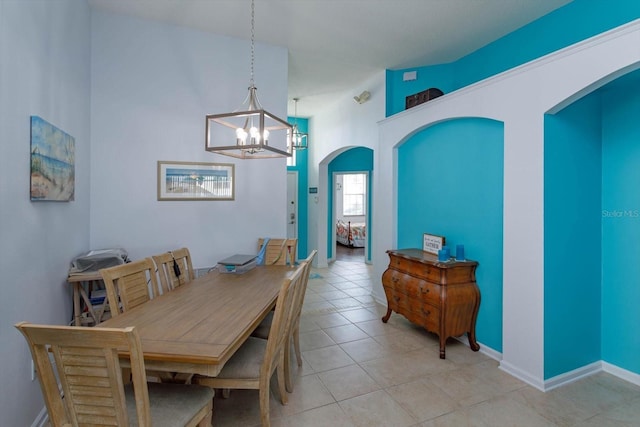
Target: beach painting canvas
[
  {"x": 52, "y": 162},
  {"x": 195, "y": 181}
]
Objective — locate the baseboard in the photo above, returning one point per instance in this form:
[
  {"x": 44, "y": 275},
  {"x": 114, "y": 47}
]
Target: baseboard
[
  {"x": 487, "y": 351},
  {"x": 521, "y": 375},
  {"x": 572, "y": 376},
  {"x": 629, "y": 376},
  {"x": 42, "y": 420}
]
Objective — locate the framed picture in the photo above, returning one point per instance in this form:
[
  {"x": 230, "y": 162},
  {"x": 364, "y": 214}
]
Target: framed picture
[
  {"x": 53, "y": 162},
  {"x": 432, "y": 243},
  {"x": 195, "y": 181}
]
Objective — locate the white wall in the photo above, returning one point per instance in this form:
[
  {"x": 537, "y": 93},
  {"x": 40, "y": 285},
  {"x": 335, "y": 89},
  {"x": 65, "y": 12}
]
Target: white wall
[
  {"x": 152, "y": 85},
  {"x": 44, "y": 71},
  {"x": 339, "y": 126},
  {"x": 520, "y": 98}
]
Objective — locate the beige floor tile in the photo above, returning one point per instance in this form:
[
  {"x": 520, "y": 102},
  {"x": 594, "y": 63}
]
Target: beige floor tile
[
  {"x": 403, "y": 342},
  {"x": 315, "y": 339},
  {"x": 331, "y": 295},
  {"x": 320, "y": 307},
  {"x": 326, "y": 416},
  {"x": 308, "y": 393},
  {"x": 459, "y": 418},
  {"x": 345, "y": 333},
  {"x": 308, "y": 325},
  {"x": 375, "y": 327},
  {"x": 597, "y": 391},
  {"x": 357, "y": 291},
  {"x": 503, "y": 411},
  {"x": 366, "y": 349},
  {"x": 464, "y": 387},
  {"x": 346, "y": 303},
  {"x": 327, "y": 358},
  {"x": 347, "y": 382},
  {"x": 359, "y": 315},
  {"x": 624, "y": 415},
  {"x": 422, "y": 399},
  {"x": 347, "y": 285},
  {"x": 330, "y": 320},
  {"x": 556, "y": 408},
  {"x": 376, "y": 409}
]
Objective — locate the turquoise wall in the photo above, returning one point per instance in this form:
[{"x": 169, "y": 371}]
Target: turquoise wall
[
  {"x": 450, "y": 183},
  {"x": 567, "y": 25},
  {"x": 359, "y": 159},
  {"x": 302, "y": 167},
  {"x": 572, "y": 218},
  {"x": 621, "y": 224}
]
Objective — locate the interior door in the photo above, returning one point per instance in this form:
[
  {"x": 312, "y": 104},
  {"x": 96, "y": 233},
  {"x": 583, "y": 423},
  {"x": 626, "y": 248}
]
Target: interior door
[{"x": 292, "y": 204}]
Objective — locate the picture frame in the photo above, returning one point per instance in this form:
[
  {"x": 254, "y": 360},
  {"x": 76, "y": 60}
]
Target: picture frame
[
  {"x": 53, "y": 163},
  {"x": 432, "y": 243},
  {"x": 189, "y": 181}
]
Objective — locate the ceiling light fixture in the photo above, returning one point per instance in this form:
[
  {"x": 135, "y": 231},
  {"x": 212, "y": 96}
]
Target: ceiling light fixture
[
  {"x": 251, "y": 127},
  {"x": 300, "y": 140},
  {"x": 363, "y": 97}
]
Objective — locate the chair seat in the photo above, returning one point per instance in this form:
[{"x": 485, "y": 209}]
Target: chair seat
[
  {"x": 262, "y": 331},
  {"x": 171, "y": 404},
  {"x": 246, "y": 362}
]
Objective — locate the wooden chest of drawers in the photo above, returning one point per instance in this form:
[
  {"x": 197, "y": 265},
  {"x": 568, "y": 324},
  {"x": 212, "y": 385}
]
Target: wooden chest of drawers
[{"x": 442, "y": 297}]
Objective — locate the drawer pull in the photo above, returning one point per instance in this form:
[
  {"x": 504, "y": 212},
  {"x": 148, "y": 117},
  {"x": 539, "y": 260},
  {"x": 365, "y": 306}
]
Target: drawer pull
[
  {"x": 426, "y": 312},
  {"x": 395, "y": 279},
  {"x": 425, "y": 291}
]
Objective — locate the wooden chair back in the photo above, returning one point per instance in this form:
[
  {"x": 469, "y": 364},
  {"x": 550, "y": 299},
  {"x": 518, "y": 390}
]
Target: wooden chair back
[
  {"x": 174, "y": 268},
  {"x": 283, "y": 316},
  {"x": 279, "y": 251},
  {"x": 129, "y": 285},
  {"x": 87, "y": 364}
]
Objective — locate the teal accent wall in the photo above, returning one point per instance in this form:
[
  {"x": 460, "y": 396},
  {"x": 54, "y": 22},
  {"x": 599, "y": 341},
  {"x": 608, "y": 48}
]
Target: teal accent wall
[
  {"x": 450, "y": 183},
  {"x": 621, "y": 224},
  {"x": 572, "y": 236},
  {"x": 302, "y": 167},
  {"x": 358, "y": 159},
  {"x": 567, "y": 25}
]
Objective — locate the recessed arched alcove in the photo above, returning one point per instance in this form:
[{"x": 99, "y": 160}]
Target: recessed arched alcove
[
  {"x": 450, "y": 183},
  {"x": 592, "y": 230}
]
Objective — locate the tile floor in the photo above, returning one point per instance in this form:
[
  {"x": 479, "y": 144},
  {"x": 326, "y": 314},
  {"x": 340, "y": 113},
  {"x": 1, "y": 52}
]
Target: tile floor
[{"x": 358, "y": 371}]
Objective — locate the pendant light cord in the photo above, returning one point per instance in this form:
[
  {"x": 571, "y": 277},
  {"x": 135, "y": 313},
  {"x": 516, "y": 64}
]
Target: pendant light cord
[{"x": 253, "y": 36}]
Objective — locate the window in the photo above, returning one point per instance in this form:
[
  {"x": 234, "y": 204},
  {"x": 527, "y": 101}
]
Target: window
[{"x": 354, "y": 194}]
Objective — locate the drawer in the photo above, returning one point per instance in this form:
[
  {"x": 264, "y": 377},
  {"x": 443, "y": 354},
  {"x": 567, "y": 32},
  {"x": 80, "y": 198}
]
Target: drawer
[
  {"x": 412, "y": 286},
  {"x": 418, "y": 269},
  {"x": 426, "y": 316}
]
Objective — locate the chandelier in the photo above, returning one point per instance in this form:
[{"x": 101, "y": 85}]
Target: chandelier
[
  {"x": 299, "y": 140},
  {"x": 248, "y": 132}
]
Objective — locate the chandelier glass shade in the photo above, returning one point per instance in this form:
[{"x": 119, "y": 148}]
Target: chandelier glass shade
[
  {"x": 250, "y": 132},
  {"x": 299, "y": 140}
]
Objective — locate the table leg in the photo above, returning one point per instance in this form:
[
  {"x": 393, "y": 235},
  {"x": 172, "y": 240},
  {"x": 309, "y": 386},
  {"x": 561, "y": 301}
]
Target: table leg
[{"x": 76, "y": 304}]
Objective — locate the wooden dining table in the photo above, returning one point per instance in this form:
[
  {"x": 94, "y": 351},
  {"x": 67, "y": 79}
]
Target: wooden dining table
[{"x": 197, "y": 327}]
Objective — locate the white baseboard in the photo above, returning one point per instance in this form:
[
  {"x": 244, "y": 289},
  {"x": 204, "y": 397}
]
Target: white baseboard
[
  {"x": 572, "y": 376},
  {"x": 629, "y": 376},
  {"x": 42, "y": 419},
  {"x": 514, "y": 371}
]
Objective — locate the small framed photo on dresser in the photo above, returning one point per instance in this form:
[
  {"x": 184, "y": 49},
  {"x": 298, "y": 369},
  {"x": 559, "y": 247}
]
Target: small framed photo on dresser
[{"x": 432, "y": 243}]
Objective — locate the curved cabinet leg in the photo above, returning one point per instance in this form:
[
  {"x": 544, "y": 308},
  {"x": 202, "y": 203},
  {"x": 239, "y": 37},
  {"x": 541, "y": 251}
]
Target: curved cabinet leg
[
  {"x": 443, "y": 342},
  {"x": 386, "y": 316},
  {"x": 472, "y": 341}
]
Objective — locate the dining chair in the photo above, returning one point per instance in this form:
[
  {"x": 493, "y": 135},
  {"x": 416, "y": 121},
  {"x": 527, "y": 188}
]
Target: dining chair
[
  {"x": 254, "y": 363},
  {"x": 129, "y": 285},
  {"x": 262, "y": 331},
  {"x": 279, "y": 251},
  {"x": 174, "y": 268},
  {"x": 86, "y": 364}
]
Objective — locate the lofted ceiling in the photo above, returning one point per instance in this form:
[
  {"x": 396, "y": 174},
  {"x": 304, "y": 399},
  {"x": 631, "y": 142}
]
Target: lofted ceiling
[{"x": 336, "y": 45}]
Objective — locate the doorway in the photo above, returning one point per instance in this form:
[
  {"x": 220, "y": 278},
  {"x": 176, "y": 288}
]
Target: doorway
[{"x": 350, "y": 213}]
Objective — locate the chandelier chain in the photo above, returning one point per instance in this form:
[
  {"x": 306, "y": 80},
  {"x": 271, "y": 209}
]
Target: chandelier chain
[{"x": 253, "y": 36}]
